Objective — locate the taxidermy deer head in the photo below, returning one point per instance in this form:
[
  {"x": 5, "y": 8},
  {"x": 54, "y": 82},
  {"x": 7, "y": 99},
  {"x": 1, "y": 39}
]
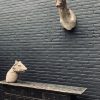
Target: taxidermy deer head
[
  {"x": 67, "y": 16},
  {"x": 17, "y": 68}
]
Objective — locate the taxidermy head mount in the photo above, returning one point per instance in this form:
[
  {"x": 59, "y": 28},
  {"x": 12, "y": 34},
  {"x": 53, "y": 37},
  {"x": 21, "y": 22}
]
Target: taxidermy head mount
[
  {"x": 12, "y": 74},
  {"x": 67, "y": 16}
]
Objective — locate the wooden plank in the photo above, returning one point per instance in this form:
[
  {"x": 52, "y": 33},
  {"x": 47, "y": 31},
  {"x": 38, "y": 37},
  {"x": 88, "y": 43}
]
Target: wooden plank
[{"x": 49, "y": 87}]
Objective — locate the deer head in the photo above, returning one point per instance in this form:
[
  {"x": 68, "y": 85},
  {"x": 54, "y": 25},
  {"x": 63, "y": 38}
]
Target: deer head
[
  {"x": 67, "y": 16},
  {"x": 19, "y": 66}
]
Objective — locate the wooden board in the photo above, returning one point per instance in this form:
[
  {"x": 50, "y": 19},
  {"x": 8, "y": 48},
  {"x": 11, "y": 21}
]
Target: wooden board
[{"x": 49, "y": 87}]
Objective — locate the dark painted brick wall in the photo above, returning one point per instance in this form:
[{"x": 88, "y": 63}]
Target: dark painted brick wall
[
  {"x": 30, "y": 31},
  {"x": 12, "y": 93}
]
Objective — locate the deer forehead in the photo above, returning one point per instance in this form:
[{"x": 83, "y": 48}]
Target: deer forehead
[{"x": 19, "y": 64}]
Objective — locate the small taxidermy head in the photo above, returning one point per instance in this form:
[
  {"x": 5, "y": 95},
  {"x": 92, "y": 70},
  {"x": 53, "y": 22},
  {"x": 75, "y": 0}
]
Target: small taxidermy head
[
  {"x": 67, "y": 16},
  {"x": 19, "y": 66},
  {"x": 12, "y": 74}
]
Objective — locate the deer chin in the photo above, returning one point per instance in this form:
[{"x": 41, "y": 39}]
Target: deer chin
[
  {"x": 20, "y": 71},
  {"x": 23, "y": 71}
]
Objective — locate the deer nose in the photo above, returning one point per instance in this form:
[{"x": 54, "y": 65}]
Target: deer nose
[{"x": 25, "y": 68}]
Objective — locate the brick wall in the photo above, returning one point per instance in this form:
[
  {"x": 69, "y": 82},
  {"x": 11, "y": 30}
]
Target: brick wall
[
  {"x": 19, "y": 93},
  {"x": 30, "y": 31}
]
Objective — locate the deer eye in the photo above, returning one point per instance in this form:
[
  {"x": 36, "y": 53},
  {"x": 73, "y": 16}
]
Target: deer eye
[{"x": 19, "y": 65}]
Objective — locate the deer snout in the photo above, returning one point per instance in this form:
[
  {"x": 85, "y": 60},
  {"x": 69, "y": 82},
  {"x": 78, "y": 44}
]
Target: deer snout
[{"x": 25, "y": 69}]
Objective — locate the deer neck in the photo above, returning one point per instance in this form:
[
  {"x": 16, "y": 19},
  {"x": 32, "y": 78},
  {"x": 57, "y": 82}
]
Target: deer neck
[
  {"x": 64, "y": 13},
  {"x": 12, "y": 70}
]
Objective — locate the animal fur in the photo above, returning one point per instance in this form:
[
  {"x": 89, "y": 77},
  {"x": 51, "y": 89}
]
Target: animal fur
[{"x": 12, "y": 74}]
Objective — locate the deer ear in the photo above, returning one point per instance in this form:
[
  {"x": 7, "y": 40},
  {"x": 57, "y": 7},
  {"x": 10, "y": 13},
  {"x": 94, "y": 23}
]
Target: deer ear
[{"x": 16, "y": 61}]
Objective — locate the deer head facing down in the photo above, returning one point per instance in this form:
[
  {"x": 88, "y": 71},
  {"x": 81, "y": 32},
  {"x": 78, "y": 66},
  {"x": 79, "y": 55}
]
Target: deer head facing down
[{"x": 67, "y": 16}]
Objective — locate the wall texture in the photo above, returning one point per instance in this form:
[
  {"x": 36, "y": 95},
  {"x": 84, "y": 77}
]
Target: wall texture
[
  {"x": 19, "y": 93},
  {"x": 30, "y": 31}
]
